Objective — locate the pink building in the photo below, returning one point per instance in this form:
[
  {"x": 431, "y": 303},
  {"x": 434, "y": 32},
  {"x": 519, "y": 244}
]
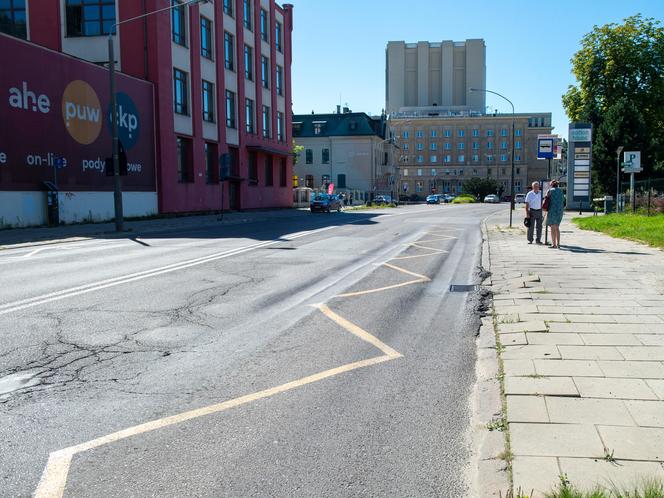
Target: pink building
[{"x": 222, "y": 84}]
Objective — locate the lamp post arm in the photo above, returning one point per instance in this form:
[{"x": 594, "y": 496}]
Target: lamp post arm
[{"x": 164, "y": 9}]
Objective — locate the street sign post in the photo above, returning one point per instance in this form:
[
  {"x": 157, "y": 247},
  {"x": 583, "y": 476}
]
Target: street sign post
[{"x": 632, "y": 165}]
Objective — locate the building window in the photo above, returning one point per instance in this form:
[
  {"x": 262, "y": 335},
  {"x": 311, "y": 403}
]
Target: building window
[
  {"x": 518, "y": 171},
  {"x": 325, "y": 156},
  {"x": 269, "y": 171},
  {"x": 283, "y": 173},
  {"x": 461, "y": 159},
  {"x": 434, "y": 133},
  {"x": 503, "y": 157},
  {"x": 461, "y": 133},
  {"x": 420, "y": 146},
  {"x": 419, "y": 186},
  {"x": 503, "y": 145},
  {"x": 476, "y": 145},
  {"x": 247, "y": 15},
  {"x": 517, "y": 133},
  {"x": 448, "y": 146},
  {"x": 277, "y": 36},
  {"x": 252, "y": 168},
  {"x": 265, "y": 71},
  {"x": 84, "y": 17},
  {"x": 228, "y": 7},
  {"x": 503, "y": 132},
  {"x": 474, "y": 172},
  {"x": 517, "y": 144},
  {"x": 230, "y": 109},
  {"x": 405, "y": 172},
  {"x": 447, "y": 158},
  {"x": 461, "y": 146},
  {"x": 267, "y": 131},
  {"x": 341, "y": 181},
  {"x": 13, "y": 19},
  {"x": 180, "y": 92},
  {"x": 433, "y": 146},
  {"x": 279, "y": 82},
  {"x": 489, "y": 133},
  {"x": 489, "y": 157},
  {"x": 280, "y": 126},
  {"x": 208, "y": 101},
  {"x": 503, "y": 171},
  {"x": 489, "y": 145},
  {"x": 517, "y": 185},
  {"x": 405, "y": 146},
  {"x": 248, "y": 62},
  {"x": 404, "y": 134},
  {"x": 433, "y": 159},
  {"x": 206, "y": 38},
  {"x": 476, "y": 157},
  {"x": 448, "y": 133},
  {"x": 420, "y": 159},
  {"x": 264, "y": 24},
  {"x": 185, "y": 167},
  {"x": 249, "y": 115},
  {"x": 476, "y": 132},
  {"x": 318, "y": 128},
  {"x": 229, "y": 51},
  {"x": 179, "y": 23},
  {"x": 460, "y": 172},
  {"x": 309, "y": 156},
  {"x": 419, "y": 134},
  {"x": 211, "y": 169},
  {"x": 434, "y": 172},
  {"x": 309, "y": 181},
  {"x": 517, "y": 157},
  {"x": 488, "y": 171}
]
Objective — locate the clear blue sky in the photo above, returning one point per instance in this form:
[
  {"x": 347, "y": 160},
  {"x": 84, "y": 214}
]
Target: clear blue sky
[{"x": 339, "y": 46}]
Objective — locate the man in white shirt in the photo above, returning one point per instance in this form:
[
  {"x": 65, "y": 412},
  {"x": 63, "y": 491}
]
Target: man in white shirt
[{"x": 534, "y": 212}]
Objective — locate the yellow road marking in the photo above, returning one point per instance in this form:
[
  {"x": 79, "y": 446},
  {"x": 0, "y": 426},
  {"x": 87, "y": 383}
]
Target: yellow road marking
[
  {"x": 436, "y": 239},
  {"x": 380, "y": 289},
  {"x": 54, "y": 478},
  {"x": 419, "y": 255},
  {"x": 407, "y": 272},
  {"x": 414, "y": 244}
]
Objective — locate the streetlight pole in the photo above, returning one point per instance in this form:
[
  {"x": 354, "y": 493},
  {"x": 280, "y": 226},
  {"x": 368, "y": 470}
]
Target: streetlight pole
[
  {"x": 618, "y": 152},
  {"x": 512, "y": 172},
  {"x": 115, "y": 141}
]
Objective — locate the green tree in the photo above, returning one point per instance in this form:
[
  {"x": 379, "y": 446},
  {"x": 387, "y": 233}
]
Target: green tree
[
  {"x": 480, "y": 186},
  {"x": 620, "y": 90},
  {"x": 296, "y": 150}
]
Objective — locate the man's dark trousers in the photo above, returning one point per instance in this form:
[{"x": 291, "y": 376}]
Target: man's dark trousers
[{"x": 535, "y": 219}]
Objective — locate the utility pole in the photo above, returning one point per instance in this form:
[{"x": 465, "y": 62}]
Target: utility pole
[{"x": 618, "y": 152}]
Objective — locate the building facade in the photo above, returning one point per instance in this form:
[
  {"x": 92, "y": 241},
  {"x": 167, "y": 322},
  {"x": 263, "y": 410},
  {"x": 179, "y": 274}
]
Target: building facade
[
  {"x": 222, "y": 85},
  {"x": 438, "y": 153},
  {"x": 426, "y": 74},
  {"x": 343, "y": 148}
]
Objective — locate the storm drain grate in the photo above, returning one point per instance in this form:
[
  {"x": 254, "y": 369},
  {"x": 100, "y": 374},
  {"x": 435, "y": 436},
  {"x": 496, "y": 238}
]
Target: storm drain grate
[{"x": 463, "y": 288}]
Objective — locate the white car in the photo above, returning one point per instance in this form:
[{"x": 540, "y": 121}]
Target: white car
[
  {"x": 492, "y": 199},
  {"x": 520, "y": 199}
]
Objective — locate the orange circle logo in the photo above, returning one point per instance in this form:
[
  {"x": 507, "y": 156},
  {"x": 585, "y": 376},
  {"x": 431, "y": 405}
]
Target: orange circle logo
[{"x": 81, "y": 112}]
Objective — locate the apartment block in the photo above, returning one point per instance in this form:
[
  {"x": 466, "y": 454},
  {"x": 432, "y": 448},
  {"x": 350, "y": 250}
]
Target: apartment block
[{"x": 427, "y": 74}]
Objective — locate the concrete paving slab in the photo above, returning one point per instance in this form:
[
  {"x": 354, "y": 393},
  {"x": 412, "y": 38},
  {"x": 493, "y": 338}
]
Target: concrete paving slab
[
  {"x": 657, "y": 385},
  {"x": 535, "y": 476},
  {"x": 588, "y": 411},
  {"x": 613, "y": 388},
  {"x": 589, "y": 353},
  {"x": 650, "y": 319},
  {"x": 651, "y": 339},
  {"x": 526, "y": 409},
  {"x": 646, "y": 413},
  {"x": 566, "y": 368},
  {"x": 549, "y": 338},
  {"x": 634, "y": 443},
  {"x": 530, "y": 326},
  {"x": 590, "y": 318},
  {"x": 530, "y": 352},
  {"x": 611, "y": 340},
  {"x": 642, "y": 353},
  {"x": 572, "y": 440},
  {"x": 632, "y": 369},
  {"x": 518, "y": 338},
  {"x": 554, "y": 386},
  {"x": 573, "y": 327},
  {"x": 518, "y": 367},
  {"x": 587, "y": 473}
]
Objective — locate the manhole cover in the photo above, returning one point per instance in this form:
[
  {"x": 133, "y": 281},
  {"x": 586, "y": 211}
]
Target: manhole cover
[{"x": 462, "y": 288}]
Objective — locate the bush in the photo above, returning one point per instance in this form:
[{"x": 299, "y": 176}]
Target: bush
[{"x": 463, "y": 199}]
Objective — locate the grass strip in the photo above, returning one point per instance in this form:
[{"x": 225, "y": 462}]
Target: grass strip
[{"x": 647, "y": 229}]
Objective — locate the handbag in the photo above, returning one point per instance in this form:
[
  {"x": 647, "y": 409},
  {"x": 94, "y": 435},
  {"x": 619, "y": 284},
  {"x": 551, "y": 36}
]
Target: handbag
[
  {"x": 526, "y": 221},
  {"x": 545, "y": 204}
]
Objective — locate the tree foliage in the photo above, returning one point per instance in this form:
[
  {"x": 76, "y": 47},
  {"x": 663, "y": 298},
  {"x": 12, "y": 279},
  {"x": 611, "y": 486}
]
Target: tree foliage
[
  {"x": 480, "y": 187},
  {"x": 620, "y": 90},
  {"x": 296, "y": 150}
]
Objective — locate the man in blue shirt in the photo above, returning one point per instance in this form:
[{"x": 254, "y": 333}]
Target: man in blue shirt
[{"x": 534, "y": 212}]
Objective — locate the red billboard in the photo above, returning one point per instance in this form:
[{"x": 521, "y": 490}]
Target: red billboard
[{"x": 55, "y": 122}]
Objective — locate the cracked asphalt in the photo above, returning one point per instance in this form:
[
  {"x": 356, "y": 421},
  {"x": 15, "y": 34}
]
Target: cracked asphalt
[{"x": 103, "y": 335}]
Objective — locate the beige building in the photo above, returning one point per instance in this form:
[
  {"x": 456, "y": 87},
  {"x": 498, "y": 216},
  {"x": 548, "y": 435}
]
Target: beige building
[
  {"x": 440, "y": 74},
  {"x": 441, "y": 152}
]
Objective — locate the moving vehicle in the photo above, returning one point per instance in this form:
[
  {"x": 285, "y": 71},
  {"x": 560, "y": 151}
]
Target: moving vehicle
[
  {"x": 325, "y": 203},
  {"x": 492, "y": 199},
  {"x": 433, "y": 199}
]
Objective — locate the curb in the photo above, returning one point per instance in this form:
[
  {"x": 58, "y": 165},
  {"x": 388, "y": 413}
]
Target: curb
[{"x": 491, "y": 476}]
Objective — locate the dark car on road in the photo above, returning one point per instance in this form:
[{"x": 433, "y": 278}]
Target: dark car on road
[
  {"x": 325, "y": 203},
  {"x": 433, "y": 199}
]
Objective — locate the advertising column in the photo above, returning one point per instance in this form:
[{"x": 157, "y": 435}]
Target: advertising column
[{"x": 579, "y": 166}]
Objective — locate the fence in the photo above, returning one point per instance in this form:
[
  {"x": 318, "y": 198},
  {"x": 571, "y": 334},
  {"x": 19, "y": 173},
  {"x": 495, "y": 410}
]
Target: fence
[{"x": 648, "y": 197}]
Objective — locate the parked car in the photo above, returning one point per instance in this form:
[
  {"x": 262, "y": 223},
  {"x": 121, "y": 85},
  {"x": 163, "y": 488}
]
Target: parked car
[
  {"x": 383, "y": 199},
  {"x": 325, "y": 203},
  {"x": 520, "y": 198},
  {"x": 492, "y": 199},
  {"x": 446, "y": 198},
  {"x": 433, "y": 199}
]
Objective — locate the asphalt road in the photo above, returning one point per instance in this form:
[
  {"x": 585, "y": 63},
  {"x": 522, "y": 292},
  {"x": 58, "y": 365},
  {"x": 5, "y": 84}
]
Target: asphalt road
[{"x": 317, "y": 356}]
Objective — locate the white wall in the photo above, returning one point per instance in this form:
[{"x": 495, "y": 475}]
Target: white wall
[{"x": 29, "y": 208}]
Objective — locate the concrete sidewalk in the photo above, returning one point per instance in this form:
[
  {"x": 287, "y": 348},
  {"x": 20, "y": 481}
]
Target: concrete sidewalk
[
  {"x": 582, "y": 335},
  {"x": 25, "y": 237}
]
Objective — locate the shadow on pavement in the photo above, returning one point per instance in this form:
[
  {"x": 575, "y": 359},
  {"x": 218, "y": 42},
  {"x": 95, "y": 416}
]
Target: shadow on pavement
[{"x": 599, "y": 251}]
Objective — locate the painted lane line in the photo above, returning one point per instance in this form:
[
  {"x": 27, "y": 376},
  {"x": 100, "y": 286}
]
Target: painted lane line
[
  {"x": 54, "y": 478},
  {"x": 408, "y": 272},
  {"x": 419, "y": 255},
  {"x": 381, "y": 289}
]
